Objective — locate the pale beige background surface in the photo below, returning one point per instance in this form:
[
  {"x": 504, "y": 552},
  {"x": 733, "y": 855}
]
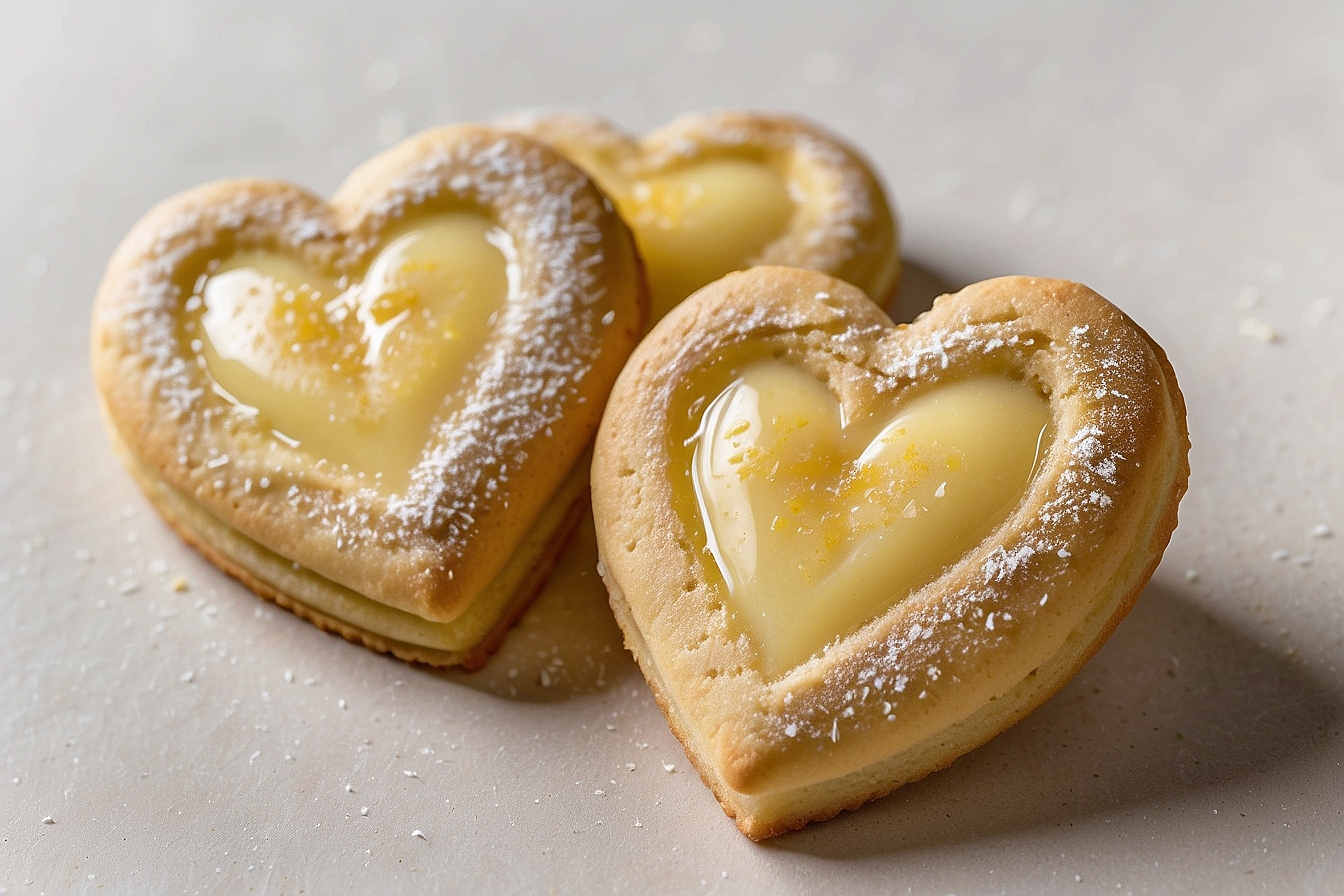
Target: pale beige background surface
[{"x": 1187, "y": 161}]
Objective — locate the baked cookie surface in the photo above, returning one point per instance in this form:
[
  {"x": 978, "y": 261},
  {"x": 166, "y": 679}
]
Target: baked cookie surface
[
  {"x": 375, "y": 410},
  {"x": 845, "y": 553}
]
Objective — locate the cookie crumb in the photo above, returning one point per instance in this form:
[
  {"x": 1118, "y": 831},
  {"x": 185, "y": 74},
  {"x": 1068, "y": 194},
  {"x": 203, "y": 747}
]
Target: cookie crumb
[{"x": 1255, "y": 328}]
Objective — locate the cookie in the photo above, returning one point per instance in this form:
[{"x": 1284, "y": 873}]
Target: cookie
[
  {"x": 375, "y": 411},
  {"x": 844, "y": 553}
]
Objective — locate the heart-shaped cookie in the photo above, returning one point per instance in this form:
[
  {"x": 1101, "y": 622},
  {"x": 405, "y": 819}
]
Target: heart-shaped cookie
[
  {"x": 377, "y": 410},
  {"x": 844, "y": 553},
  {"x": 718, "y": 192}
]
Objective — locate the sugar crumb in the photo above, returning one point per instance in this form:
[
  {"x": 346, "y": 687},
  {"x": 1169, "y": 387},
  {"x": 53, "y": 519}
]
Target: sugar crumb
[{"x": 1257, "y": 329}]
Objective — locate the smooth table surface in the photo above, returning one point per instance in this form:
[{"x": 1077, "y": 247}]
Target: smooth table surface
[{"x": 1185, "y": 160}]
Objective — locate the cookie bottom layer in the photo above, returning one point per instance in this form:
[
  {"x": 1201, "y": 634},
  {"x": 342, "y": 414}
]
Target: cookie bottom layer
[{"x": 466, "y": 641}]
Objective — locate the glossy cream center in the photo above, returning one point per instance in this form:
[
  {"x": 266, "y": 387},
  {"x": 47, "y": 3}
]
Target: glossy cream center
[
  {"x": 818, "y": 524},
  {"x": 355, "y": 372},
  {"x": 699, "y": 222}
]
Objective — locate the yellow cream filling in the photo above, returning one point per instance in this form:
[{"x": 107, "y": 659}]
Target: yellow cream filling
[
  {"x": 698, "y": 222},
  {"x": 818, "y": 524},
  {"x": 354, "y": 372}
]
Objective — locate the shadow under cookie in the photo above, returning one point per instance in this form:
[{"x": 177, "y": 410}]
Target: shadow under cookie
[
  {"x": 567, "y": 644},
  {"x": 919, "y": 286}
]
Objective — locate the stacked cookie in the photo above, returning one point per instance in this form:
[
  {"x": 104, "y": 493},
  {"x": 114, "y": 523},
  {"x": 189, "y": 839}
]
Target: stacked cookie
[{"x": 843, "y": 552}]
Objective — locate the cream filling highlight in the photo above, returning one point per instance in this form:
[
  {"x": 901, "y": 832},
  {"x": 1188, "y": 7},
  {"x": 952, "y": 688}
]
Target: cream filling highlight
[
  {"x": 698, "y": 222},
  {"x": 818, "y": 524},
  {"x": 355, "y": 372}
]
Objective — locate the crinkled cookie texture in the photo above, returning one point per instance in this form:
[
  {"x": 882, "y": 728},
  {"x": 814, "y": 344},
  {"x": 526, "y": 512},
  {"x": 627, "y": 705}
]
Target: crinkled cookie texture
[
  {"x": 959, "y": 653},
  {"x": 716, "y": 192},
  {"x": 377, "y": 410}
]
